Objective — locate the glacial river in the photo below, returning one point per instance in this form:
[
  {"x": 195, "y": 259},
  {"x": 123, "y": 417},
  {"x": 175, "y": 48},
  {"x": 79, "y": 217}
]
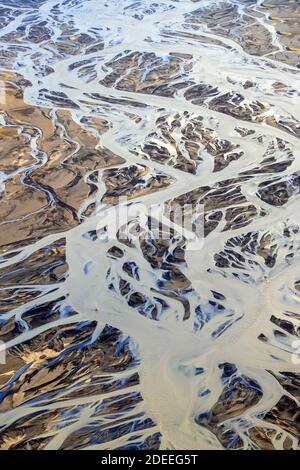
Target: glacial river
[{"x": 115, "y": 335}]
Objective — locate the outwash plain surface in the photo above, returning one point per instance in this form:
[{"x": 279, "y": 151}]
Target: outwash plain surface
[{"x": 136, "y": 341}]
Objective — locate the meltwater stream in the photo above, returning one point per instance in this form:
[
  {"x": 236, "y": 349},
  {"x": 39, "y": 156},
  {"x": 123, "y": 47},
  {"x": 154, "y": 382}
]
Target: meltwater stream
[{"x": 125, "y": 338}]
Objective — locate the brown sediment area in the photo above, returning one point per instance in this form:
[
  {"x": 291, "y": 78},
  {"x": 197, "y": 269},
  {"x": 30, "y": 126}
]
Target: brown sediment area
[
  {"x": 54, "y": 175},
  {"x": 162, "y": 147},
  {"x": 148, "y": 73},
  {"x": 245, "y": 29},
  {"x": 130, "y": 182},
  {"x": 45, "y": 377}
]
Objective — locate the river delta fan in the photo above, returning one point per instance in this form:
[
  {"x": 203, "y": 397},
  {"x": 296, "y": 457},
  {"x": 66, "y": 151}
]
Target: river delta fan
[{"x": 133, "y": 336}]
